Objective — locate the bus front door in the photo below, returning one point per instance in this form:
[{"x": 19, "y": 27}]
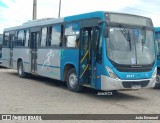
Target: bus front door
[
  {"x": 88, "y": 39},
  {"x": 11, "y": 39},
  {"x": 33, "y": 46}
]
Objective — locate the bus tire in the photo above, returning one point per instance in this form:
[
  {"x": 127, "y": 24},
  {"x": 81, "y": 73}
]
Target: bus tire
[
  {"x": 72, "y": 81},
  {"x": 21, "y": 72},
  {"x": 157, "y": 86}
]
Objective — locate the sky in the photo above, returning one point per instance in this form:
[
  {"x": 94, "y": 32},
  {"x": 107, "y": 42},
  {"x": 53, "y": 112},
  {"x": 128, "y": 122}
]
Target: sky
[{"x": 16, "y": 12}]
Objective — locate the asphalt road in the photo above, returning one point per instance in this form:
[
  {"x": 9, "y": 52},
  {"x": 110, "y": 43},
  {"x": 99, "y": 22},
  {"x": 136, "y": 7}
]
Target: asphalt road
[{"x": 38, "y": 95}]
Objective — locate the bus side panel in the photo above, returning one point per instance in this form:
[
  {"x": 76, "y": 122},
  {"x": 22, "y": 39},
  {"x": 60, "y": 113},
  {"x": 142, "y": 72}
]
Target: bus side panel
[
  {"x": 48, "y": 63},
  {"x": 24, "y": 54},
  {"x": 69, "y": 56},
  {"x": 5, "y": 57}
]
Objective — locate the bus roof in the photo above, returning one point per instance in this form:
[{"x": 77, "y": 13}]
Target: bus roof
[
  {"x": 97, "y": 14},
  {"x": 43, "y": 22},
  {"x": 36, "y": 23}
]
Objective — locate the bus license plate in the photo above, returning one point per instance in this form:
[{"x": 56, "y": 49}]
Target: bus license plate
[{"x": 136, "y": 86}]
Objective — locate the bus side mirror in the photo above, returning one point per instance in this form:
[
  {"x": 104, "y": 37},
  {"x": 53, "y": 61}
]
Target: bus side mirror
[{"x": 106, "y": 32}]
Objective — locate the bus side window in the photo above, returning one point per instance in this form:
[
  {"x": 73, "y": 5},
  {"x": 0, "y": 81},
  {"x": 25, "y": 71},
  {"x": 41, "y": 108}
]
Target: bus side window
[
  {"x": 72, "y": 32},
  {"x": 12, "y": 40},
  {"x": 27, "y": 39},
  {"x": 56, "y": 36},
  {"x": 21, "y": 38},
  {"x": 43, "y": 37},
  {"x": 71, "y": 41},
  {"x": 6, "y": 39}
]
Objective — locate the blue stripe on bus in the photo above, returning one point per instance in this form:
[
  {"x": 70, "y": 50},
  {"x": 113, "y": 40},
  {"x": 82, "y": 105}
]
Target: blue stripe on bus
[{"x": 23, "y": 62}]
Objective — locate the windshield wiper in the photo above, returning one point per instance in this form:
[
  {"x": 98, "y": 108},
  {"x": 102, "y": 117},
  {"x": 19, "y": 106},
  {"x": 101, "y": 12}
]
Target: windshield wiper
[
  {"x": 143, "y": 44},
  {"x": 143, "y": 38},
  {"x": 126, "y": 35}
]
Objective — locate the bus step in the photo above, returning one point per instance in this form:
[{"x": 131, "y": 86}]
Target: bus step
[
  {"x": 87, "y": 85},
  {"x": 34, "y": 73}
]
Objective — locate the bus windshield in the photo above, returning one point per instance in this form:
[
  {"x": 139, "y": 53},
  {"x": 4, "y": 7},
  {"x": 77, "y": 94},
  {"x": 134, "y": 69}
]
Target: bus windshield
[{"x": 130, "y": 46}]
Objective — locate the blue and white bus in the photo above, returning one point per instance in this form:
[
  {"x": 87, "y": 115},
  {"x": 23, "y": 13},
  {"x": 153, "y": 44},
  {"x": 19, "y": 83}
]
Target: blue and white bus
[{"x": 102, "y": 50}]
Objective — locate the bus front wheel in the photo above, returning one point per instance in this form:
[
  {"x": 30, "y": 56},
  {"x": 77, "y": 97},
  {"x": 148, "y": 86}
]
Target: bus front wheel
[
  {"x": 72, "y": 81},
  {"x": 21, "y": 72}
]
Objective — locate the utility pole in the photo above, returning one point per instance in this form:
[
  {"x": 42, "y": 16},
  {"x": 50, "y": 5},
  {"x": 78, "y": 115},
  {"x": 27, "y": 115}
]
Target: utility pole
[
  {"x": 59, "y": 9},
  {"x": 34, "y": 9}
]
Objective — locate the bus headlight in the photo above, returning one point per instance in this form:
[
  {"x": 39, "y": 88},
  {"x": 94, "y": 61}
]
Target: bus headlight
[
  {"x": 111, "y": 73},
  {"x": 154, "y": 73}
]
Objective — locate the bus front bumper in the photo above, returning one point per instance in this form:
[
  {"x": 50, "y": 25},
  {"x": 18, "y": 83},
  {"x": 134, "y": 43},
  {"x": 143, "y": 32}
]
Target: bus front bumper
[{"x": 108, "y": 84}]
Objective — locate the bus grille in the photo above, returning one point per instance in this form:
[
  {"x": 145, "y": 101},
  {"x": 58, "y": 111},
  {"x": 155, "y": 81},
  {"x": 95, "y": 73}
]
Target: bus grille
[
  {"x": 129, "y": 84},
  {"x": 123, "y": 69}
]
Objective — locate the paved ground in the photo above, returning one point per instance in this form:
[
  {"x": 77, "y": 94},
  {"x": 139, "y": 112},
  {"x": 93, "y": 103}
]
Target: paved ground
[{"x": 38, "y": 95}]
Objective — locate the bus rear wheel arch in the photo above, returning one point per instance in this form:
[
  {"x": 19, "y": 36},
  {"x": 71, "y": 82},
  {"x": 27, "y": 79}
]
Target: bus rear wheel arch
[
  {"x": 72, "y": 81},
  {"x": 20, "y": 68},
  {"x": 66, "y": 69}
]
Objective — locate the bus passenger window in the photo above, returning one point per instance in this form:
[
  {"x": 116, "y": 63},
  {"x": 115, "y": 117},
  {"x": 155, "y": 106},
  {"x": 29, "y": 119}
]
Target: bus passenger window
[
  {"x": 72, "y": 32},
  {"x": 6, "y": 39},
  {"x": 72, "y": 41},
  {"x": 27, "y": 39},
  {"x": 21, "y": 38},
  {"x": 44, "y": 37},
  {"x": 56, "y": 36}
]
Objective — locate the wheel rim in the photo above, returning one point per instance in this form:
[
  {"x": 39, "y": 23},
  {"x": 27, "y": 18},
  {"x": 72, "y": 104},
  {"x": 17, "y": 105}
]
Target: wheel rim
[
  {"x": 73, "y": 80},
  {"x": 20, "y": 70}
]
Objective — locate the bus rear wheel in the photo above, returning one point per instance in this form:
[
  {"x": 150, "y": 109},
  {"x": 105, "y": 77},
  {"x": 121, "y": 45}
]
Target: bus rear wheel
[
  {"x": 21, "y": 72},
  {"x": 72, "y": 81}
]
